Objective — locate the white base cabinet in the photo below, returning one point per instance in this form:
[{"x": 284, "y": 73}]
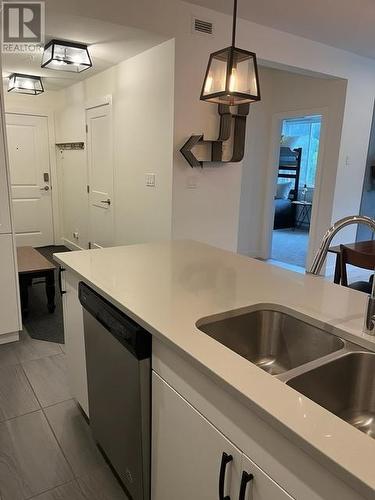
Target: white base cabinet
[
  {"x": 187, "y": 456},
  {"x": 9, "y": 312},
  {"x": 74, "y": 340}
]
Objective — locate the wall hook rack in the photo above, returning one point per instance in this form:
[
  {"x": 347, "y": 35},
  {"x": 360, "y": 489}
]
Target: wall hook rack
[
  {"x": 216, "y": 146},
  {"x": 70, "y": 145}
]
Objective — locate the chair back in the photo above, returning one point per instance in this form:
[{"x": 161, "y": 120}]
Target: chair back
[{"x": 354, "y": 258}]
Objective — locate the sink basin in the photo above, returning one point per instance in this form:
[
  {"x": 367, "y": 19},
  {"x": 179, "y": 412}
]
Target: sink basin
[
  {"x": 272, "y": 340},
  {"x": 345, "y": 386}
]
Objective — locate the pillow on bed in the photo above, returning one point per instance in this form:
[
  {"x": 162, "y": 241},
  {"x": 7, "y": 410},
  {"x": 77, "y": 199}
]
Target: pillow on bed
[{"x": 283, "y": 190}]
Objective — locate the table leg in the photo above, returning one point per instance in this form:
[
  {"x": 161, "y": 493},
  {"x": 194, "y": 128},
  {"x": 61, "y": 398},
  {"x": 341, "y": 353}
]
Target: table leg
[
  {"x": 337, "y": 276},
  {"x": 309, "y": 216},
  {"x": 50, "y": 291},
  {"x": 24, "y": 294}
]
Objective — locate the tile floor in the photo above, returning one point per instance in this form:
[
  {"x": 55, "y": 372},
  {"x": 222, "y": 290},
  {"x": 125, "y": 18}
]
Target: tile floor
[{"x": 46, "y": 448}]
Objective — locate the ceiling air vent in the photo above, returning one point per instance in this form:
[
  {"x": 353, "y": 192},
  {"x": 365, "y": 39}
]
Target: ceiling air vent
[{"x": 200, "y": 26}]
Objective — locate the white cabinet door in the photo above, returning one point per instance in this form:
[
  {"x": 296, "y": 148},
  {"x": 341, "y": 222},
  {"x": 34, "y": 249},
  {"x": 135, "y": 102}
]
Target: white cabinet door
[
  {"x": 256, "y": 485},
  {"x": 74, "y": 340},
  {"x": 5, "y": 226},
  {"x": 187, "y": 451},
  {"x": 8, "y": 293}
]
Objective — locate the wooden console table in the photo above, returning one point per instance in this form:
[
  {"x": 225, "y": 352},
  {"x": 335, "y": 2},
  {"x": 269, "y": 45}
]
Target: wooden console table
[{"x": 31, "y": 265}]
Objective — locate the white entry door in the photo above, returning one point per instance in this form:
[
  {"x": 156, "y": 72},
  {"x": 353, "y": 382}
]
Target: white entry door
[
  {"x": 100, "y": 166},
  {"x": 30, "y": 179}
]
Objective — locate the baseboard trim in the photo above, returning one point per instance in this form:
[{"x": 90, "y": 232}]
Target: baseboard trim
[
  {"x": 5, "y": 338},
  {"x": 71, "y": 245}
]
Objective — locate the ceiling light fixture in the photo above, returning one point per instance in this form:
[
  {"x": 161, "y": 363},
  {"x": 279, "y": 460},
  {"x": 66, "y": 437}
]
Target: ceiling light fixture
[
  {"x": 232, "y": 74},
  {"x": 66, "y": 56},
  {"x": 25, "y": 84}
]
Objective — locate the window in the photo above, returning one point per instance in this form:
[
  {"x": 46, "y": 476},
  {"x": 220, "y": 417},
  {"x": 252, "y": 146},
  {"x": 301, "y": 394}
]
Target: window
[{"x": 304, "y": 133}]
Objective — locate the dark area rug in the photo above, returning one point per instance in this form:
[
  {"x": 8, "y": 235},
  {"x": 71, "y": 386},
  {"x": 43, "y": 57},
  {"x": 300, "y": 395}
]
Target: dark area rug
[{"x": 41, "y": 324}]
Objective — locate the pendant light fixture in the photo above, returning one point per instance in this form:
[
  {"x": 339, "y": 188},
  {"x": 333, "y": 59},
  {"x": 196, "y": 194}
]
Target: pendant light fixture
[
  {"x": 232, "y": 74},
  {"x": 25, "y": 84},
  {"x": 66, "y": 56}
]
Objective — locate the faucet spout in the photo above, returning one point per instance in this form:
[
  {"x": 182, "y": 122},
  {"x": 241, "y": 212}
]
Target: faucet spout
[{"x": 321, "y": 254}]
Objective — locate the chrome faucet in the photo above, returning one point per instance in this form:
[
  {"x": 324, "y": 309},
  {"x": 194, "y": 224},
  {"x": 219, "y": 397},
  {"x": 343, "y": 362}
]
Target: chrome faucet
[
  {"x": 321, "y": 254},
  {"x": 369, "y": 326}
]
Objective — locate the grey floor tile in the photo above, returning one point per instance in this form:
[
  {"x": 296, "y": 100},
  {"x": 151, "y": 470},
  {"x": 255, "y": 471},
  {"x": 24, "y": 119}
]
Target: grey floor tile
[
  {"x": 101, "y": 485},
  {"x": 31, "y": 461},
  {"x": 74, "y": 436},
  {"x": 8, "y": 355},
  {"x": 27, "y": 348},
  {"x": 48, "y": 378},
  {"x": 69, "y": 491},
  {"x": 16, "y": 395}
]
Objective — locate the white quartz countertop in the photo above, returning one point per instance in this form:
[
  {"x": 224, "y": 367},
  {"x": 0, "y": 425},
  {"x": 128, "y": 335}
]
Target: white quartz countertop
[{"x": 167, "y": 287}]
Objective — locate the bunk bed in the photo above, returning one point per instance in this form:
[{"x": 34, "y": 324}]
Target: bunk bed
[{"x": 287, "y": 187}]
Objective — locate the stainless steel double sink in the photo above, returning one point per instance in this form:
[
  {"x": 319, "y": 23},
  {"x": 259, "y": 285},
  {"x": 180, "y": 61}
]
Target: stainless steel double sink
[{"x": 336, "y": 374}]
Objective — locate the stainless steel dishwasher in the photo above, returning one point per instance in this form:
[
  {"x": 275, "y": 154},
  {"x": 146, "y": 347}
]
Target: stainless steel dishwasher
[{"x": 118, "y": 353}]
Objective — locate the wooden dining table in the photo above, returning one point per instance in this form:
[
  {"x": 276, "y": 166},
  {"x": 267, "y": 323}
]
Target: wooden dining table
[{"x": 367, "y": 247}]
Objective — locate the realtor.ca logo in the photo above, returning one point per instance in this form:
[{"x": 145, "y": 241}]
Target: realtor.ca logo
[{"x": 23, "y": 26}]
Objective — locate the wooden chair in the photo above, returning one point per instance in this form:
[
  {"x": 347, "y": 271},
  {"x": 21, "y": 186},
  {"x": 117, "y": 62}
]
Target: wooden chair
[{"x": 357, "y": 259}]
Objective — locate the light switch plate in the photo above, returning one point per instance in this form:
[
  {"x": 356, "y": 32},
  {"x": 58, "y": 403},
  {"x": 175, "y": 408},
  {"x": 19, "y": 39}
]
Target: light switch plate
[{"x": 150, "y": 180}]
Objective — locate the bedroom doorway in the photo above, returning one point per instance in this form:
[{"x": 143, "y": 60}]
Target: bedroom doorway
[{"x": 298, "y": 161}]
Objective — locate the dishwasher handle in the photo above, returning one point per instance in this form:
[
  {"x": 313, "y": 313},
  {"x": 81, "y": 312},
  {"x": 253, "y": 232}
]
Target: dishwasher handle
[{"x": 131, "y": 335}]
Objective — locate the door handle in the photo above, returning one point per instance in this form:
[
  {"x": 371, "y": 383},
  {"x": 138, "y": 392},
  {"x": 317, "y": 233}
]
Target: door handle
[
  {"x": 61, "y": 270},
  {"x": 107, "y": 201},
  {"x": 246, "y": 479},
  {"x": 225, "y": 459},
  {"x": 45, "y": 188}
]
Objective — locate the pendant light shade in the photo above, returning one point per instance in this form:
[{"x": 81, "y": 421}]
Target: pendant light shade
[
  {"x": 66, "y": 56},
  {"x": 25, "y": 84},
  {"x": 232, "y": 75}
]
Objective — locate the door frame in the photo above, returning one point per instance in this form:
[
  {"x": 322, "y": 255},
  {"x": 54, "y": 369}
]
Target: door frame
[
  {"x": 92, "y": 104},
  {"x": 271, "y": 176},
  {"x": 56, "y": 221}
]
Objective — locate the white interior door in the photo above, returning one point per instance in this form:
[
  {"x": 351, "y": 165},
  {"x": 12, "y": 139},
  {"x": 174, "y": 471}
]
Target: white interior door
[
  {"x": 100, "y": 165},
  {"x": 30, "y": 179}
]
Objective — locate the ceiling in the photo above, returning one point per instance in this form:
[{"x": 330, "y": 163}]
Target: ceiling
[
  {"x": 345, "y": 24},
  {"x": 108, "y": 43}
]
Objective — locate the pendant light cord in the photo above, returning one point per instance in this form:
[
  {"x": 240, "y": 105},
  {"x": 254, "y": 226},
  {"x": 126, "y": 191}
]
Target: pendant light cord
[{"x": 234, "y": 23}]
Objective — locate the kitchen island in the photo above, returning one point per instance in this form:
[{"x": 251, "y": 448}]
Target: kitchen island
[{"x": 206, "y": 399}]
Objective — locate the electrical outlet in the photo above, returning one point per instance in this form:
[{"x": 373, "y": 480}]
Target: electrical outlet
[{"x": 150, "y": 180}]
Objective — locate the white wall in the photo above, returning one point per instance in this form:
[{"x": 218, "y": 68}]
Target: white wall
[
  {"x": 287, "y": 94},
  {"x": 42, "y": 103},
  {"x": 142, "y": 99},
  {"x": 211, "y": 212}
]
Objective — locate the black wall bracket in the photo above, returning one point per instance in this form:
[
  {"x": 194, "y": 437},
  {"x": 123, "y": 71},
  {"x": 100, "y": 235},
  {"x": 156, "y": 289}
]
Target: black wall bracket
[{"x": 216, "y": 146}]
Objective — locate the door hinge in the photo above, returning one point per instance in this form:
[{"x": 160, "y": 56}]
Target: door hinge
[
  {"x": 88, "y": 188},
  {"x": 87, "y": 129}
]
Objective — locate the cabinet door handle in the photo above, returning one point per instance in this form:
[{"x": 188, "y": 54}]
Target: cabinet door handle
[
  {"x": 61, "y": 269},
  {"x": 225, "y": 459},
  {"x": 246, "y": 478}
]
